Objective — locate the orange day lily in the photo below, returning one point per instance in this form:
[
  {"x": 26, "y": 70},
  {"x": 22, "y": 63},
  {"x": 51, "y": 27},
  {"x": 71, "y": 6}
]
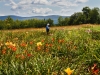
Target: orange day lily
[
  {"x": 4, "y": 51},
  {"x": 95, "y": 69},
  {"x": 23, "y": 44},
  {"x": 31, "y": 42}
]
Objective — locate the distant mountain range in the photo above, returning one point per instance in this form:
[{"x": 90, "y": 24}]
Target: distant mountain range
[{"x": 14, "y": 17}]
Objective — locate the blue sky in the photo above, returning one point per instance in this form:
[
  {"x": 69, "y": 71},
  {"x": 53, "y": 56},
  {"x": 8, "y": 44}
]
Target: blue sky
[{"x": 44, "y": 7}]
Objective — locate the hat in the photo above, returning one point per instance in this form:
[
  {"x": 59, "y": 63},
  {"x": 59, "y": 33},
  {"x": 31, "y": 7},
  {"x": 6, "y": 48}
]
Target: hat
[{"x": 48, "y": 24}]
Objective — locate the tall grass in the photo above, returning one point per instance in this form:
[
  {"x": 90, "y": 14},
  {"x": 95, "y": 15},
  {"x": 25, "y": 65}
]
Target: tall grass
[{"x": 76, "y": 49}]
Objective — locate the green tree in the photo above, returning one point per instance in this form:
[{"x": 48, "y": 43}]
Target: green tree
[
  {"x": 77, "y": 18},
  {"x": 31, "y": 23},
  {"x": 8, "y": 23},
  {"x": 60, "y": 21},
  {"x": 66, "y": 21},
  {"x": 86, "y": 11},
  {"x": 80, "y": 18},
  {"x": 2, "y": 25},
  {"x": 72, "y": 19},
  {"x": 94, "y": 15},
  {"x": 16, "y": 24},
  {"x": 50, "y": 21}
]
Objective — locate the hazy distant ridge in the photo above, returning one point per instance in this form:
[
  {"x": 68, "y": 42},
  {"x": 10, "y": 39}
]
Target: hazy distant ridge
[{"x": 14, "y": 17}]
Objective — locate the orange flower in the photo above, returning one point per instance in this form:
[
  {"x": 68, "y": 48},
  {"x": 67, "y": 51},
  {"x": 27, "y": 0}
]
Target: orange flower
[
  {"x": 4, "y": 51},
  {"x": 38, "y": 47},
  {"x": 17, "y": 55},
  {"x": 23, "y": 44},
  {"x": 96, "y": 72},
  {"x": 53, "y": 39},
  {"x": 14, "y": 48},
  {"x": 60, "y": 41},
  {"x": 94, "y": 65},
  {"x": 31, "y": 42},
  {"x": 50, "y": 45},
  {"x": 47, "y": 45},
  {"x": 10, "y": 46},
  {"x": 95, "y": 69},
  {"x": 47, "y": 50},
  {"x": 29, "y": 55},
  {"x": 42, "y": 41},
  {"x": 22, "y": 57}
]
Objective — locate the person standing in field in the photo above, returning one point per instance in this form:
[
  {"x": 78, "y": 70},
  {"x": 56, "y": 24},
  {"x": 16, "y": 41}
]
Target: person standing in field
[{"x": 47, "y": 28}]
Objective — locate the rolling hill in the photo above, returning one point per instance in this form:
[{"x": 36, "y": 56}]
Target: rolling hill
[{"x": 14, "y": 17}]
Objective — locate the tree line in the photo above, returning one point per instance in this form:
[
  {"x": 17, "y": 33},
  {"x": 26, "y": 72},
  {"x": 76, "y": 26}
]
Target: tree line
[
  {"x": 9, "y": 23},
  {"x": 86, "y": 16}
]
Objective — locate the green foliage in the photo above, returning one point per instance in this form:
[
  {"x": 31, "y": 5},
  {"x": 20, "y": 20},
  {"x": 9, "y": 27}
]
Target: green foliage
[
  {"x": 86, "y": 12},
  {"x": 19, "y": 53},
  {"x": 86, "y": 16},
  {"x": 77, "y": 18},
  {"x": 96, "y": 35},
  {"x": 94, "y": 15},
  {"x": 9, "y": 23},
  {"x": 50, "y": 21}
]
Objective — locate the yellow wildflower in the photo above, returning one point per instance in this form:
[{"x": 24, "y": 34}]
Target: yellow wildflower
[
  {"x": 68, "y": 71},
  {"x": 9, "y": 43},
  {"x": 39, "y": 44},
  {"x": 14, "y": 44}
]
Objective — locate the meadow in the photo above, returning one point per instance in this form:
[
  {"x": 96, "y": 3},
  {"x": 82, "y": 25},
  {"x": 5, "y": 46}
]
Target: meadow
[{"x": 65, "y": 51}]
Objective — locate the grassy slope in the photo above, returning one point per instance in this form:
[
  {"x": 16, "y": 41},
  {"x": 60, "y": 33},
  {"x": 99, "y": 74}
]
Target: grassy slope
[
  {"x": 97, "y": 27},
  {"x": 75, "y": 48}
]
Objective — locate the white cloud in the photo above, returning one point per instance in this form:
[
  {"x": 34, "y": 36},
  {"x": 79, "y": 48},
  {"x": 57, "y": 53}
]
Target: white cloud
[
  {"x": 25, "y": 2},
  {"x": 63, "y": 3},
  {"x": 17, "y": 12},
  {"x": 66, "y": 10},
  {"x": 42, "y": 10},
  {"x": 12, "y": 2},
  {"x": 42, "y": 7},
  {"x": 13, "y": 5},
  {"x": 28, "y": 4},
  {"x": 41, "y": 2},
  {"x": 29, "y": 12},
  {"x": 23, "y": 5},
  {"x": 1, "y": 14},
  {"x": 81, "y": 1}
]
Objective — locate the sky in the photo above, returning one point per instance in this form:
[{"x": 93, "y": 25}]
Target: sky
[{"x": 28, "y": 8}]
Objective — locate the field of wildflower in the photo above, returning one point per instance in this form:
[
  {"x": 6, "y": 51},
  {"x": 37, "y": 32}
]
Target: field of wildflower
[{"x": 62, "y": 52}]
